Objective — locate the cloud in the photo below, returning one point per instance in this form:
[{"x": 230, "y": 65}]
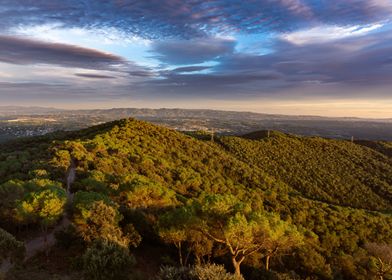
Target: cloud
[
  {"x": 21, "y": 51},
  {"x": 16, "y": 50},
  {"x": 143, "y": 73},
  {"x": 352, "y": 61},
  {"x": 188, "y": 69},
  {"x": 348, "y": 65},
  {"x": 216, "y": 79},
  {"x": 297, "y": 7},
  {"x": 158, "y": 19},
  {"x": 352, "y": 12},
  {"x": 192, "y": 51},
  {"x": 94, "y": 76},
  {"x": 289, "y": 47},
  {"x": 323, "y": 34}
]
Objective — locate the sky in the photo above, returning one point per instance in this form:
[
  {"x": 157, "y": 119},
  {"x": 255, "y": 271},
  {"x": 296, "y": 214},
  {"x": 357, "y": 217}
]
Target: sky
[{"x": 297, "y": 57}]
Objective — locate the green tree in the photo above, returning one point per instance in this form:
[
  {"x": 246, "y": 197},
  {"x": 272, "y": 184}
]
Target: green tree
[
  {"x": 172, "y": 228},
  {"x": 97, "y": 218},
  {"x": 240, "y": 235},
  {"x": 10, "y": 192},
  {"x": 139, "y": 192},
  {"x": 279, "y": 236},
  {"x": 44, "y": 206},
  {"x": 245, "y": 231},
  {"x": 224, "y": 220}
]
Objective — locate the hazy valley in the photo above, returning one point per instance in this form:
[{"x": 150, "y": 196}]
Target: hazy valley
[{"x": 18, "y": 122}]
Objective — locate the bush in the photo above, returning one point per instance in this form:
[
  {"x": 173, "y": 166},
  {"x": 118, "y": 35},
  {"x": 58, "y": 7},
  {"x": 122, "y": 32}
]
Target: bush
[
  {"x": 198, "y": 272},
  {"x": 107, "y": 260},
  {"x": 174, "y": 273},
  {"x": 212, "y": 272},
  {"x": 10, "y": 247}
]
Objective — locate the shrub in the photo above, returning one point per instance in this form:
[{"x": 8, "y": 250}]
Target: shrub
[
  {"x": 10, "y": 247},
  {"x": 107, "y": 260},
  {"x": 198, "y": 272},
  {"x": 174, "y": 273},
  {"x": 212, "y": 272}
]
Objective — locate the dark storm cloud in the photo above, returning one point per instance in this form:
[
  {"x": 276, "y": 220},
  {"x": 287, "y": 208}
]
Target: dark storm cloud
[
  {"x": 191, "y": 18},
  {"x": 192, "y": 51},
  {"x": 25, "y": 51}
]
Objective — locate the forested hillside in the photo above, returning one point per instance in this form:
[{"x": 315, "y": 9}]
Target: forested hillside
[
  {"x": 334, "y": 171},
  {"x": 143, "y": 196},
  {"x": 380, "y": 146}
]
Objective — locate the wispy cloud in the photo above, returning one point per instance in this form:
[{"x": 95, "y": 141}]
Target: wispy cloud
[{"x": 327, "y": 33}]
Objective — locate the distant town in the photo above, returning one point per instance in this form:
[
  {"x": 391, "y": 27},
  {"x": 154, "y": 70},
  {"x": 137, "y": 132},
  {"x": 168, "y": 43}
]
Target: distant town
[{"x": 16, "y": 122}]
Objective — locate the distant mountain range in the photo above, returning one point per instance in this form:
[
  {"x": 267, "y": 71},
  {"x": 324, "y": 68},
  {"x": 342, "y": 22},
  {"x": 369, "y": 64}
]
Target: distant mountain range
[
  {"x": 174, "y": 112},
  {"x": 22, "y": 110}
]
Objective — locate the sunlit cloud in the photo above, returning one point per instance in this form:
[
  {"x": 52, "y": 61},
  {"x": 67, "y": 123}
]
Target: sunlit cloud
[{"x": 323, "y": 34}]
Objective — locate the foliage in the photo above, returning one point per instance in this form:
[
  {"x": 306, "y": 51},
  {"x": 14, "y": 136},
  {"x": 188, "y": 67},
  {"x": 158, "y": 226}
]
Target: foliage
[
  {"x": 96, "y": 218},
  {"x": 44, "y": 206},
  {"x": 332, "y": 171},
  {"x": 18, "y": 197},
  {"x": 245, "y": 232},
  {"x": 174, "y": 273},
  {"x": 379, "y": 146},
  {"x": 381, "y": 261},
  {"x": 212, "y": 272},
  {"x": 138, "y": 192},
  {"x": 10, "y": 247},
  {"x": 175, "y": 227},
  {"x": 106, "y": 261},
  {"x": 330, "y": 197},
  {"x": 198, "y": 272}
]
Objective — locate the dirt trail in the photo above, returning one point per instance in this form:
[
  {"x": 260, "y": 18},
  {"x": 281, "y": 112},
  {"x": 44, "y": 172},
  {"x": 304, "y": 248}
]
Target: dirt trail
[
  {"x": 5, "y": 266},
  {"x": 38, "y": 244},
  {"x": 45, "y": 241}
]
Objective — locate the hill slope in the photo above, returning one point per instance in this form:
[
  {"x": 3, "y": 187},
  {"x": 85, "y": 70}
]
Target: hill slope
[
  {"x": 275, "y": 174},
  {"x": 333, "y": 171},
  {"x": 380, "y": 146}
]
